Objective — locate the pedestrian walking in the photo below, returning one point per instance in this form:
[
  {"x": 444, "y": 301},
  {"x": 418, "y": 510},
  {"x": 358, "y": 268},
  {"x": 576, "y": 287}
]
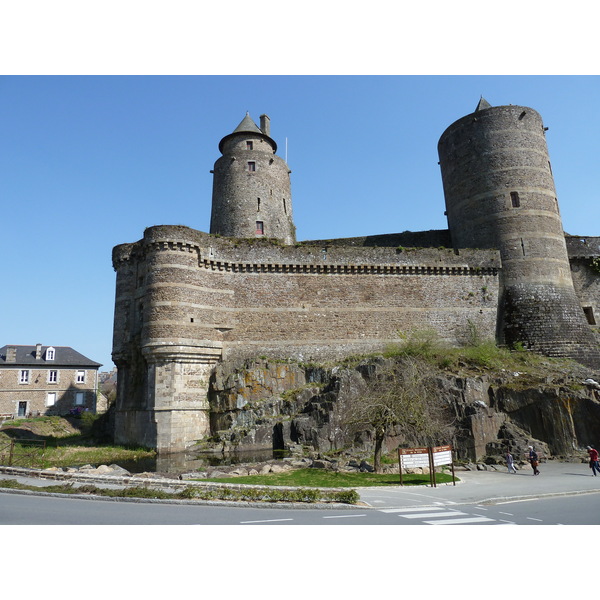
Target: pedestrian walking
[
  {"x": 510, "y": 463},
  {"x": 593, "y": 454},
  {"x": 533, "y": 460}
]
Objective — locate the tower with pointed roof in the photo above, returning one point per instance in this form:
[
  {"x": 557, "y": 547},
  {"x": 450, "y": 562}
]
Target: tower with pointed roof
[
  {"x": 251, "y": 186},
  {"x": 500, "y": 193}
]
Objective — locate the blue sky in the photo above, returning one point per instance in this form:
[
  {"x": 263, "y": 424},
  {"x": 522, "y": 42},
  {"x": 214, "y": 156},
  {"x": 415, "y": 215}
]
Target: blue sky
[{"x": 87, "y": 162}]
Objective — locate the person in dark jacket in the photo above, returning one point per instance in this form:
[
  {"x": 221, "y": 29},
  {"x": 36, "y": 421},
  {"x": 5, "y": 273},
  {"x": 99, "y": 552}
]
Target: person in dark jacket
[{"x": 533, "y": 460}]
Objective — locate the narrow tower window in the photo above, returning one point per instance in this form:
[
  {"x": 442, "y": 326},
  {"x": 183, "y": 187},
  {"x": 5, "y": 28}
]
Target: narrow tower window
[
  {"x": 589, "y": 315},
  {"x": 515, "y": 200},
  {"x": 251, "y": 166},
  {"x": 249, "y": 146},
  {"x": 258, "y": 205},
  {"x": 260, "y": 228},
  {"x": 284, "y": 207}
]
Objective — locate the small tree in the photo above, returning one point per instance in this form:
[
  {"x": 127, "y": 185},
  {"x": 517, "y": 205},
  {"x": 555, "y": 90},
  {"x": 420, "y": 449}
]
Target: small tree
[{"x": 400, "y": 398}]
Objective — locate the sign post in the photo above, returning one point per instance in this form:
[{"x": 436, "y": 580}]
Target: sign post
[
  {"x": 442, "y": 455},
  {"x": 431, "y": 457},
  {"x": 411, "y": 458}
]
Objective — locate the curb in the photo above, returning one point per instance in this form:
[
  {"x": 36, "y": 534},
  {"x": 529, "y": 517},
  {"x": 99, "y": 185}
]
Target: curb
[{"x": 228, "y": 503}]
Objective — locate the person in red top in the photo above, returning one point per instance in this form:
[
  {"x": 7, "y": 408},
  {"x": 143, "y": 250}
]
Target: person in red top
[{"x": 594, "y": 466}]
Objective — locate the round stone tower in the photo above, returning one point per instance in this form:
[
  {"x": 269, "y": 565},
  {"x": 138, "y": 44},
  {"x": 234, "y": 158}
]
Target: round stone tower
[
  {"x": 251, "y": 186},
  {"x": 500, "y": 193}
]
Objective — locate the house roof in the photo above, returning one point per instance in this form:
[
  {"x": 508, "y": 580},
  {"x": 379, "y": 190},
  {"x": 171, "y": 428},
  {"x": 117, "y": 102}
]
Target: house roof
[{"x": 64, "y": 357}]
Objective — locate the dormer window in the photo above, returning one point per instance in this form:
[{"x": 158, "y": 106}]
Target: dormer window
[{"x": 50, "y": 353}]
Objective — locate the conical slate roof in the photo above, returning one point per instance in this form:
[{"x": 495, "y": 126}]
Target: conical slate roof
[
  {"x": 247, "y": 125},
  {"x": 483, "y": 104}
]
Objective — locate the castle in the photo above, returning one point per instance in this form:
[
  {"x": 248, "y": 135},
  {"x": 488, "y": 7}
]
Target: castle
[{"x": 504, "y": 268}]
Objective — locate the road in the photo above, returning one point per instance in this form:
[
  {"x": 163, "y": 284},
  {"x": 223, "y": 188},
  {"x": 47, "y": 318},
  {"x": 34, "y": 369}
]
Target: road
[
  {"x": 19, "y": 509},
  {"x": 564, "y": 493}
]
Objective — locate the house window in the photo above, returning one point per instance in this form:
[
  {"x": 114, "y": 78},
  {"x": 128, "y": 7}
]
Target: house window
[
  {"x": 79, "y": 398},
  {"x": 24, "y": 376},
  {"x": 80, "y": 377},
  {"x": 249, "y": 145},
  {"x": 260, "y": 228},
  {"x": 514, "y": 198},
  {"x": 50, "y": 353},
  {"x": 251, "y": 166},
  {"x": 52, "y": 376},
  {"x": 22, "y": 409},
  {"x": 51, "y": 399}
]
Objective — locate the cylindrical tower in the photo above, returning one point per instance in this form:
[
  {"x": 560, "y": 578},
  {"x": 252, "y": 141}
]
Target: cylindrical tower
[
  {"x": 251, "y": 186},
  {"x": 500, "y": 193}
]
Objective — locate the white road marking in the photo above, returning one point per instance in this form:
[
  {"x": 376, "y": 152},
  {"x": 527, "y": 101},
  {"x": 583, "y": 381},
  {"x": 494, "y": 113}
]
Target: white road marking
[
  {"x": 344, "y": 516},
  {"x": 265, "y": 521},
  {"x": 532, "y": 519},
  {"x": 458, "y": 521},
  {"x": 448, "y": 513},
  {"x": 408, "y": 510}
]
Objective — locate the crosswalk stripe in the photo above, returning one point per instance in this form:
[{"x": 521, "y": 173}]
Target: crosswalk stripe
[
  {"x": 445, "y": 513},
  {"x": 412, "y": 509},
  {"x": 458, "y": 521}
]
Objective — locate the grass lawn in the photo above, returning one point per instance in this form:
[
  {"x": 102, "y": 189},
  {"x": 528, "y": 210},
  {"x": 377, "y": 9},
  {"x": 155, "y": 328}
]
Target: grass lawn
[{"x": 325, "y": 478}]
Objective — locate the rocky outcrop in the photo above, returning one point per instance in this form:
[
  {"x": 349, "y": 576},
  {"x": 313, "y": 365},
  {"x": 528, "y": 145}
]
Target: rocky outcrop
[{"x": 279, "y": 405}]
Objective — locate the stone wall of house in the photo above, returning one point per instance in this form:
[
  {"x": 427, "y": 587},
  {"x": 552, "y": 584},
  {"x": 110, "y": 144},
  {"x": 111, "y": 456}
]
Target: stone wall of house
[{"x": 32, "y": 398}]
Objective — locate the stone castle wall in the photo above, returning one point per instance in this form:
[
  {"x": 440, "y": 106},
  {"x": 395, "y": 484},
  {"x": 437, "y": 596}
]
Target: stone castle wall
[
  {"x": 586, "y": 276},
  {"x": 186, "y": 299},
  {"x": 251, "y": 297}
]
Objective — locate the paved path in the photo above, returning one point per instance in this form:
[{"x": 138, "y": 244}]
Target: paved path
[{"x": 477, "y": 487}]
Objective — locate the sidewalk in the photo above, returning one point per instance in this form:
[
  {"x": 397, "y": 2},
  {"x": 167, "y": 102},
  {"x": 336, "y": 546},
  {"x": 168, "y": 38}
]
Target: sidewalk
[{"x": 479, "y": 487}]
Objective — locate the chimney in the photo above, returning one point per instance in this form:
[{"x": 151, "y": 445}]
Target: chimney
[
  {"x": 38, "y": 351},
  {"x": 11, "y": 354},
  {"x": 265, "y": 125}
]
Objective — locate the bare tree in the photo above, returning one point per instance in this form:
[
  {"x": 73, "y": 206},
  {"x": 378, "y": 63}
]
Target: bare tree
[{"x": 400, "y": 399}]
